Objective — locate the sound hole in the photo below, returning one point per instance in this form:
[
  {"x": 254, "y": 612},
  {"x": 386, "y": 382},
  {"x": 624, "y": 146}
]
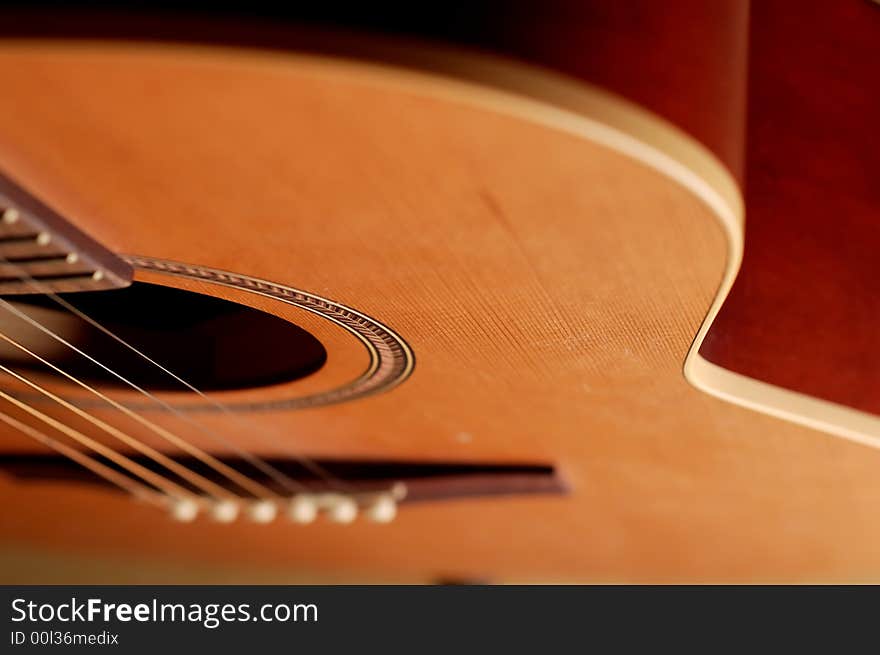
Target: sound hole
[{"x": 211, "y": 343}]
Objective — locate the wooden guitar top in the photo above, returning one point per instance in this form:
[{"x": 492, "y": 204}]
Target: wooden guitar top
[{"x": 557, "y": 258}]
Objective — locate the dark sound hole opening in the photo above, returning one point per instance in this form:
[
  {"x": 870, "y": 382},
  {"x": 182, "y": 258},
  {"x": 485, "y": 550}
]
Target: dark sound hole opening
[{"x": 213, "y": 344}]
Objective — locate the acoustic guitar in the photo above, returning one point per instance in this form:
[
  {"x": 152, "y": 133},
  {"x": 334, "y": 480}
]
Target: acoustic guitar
[{"x": 572, "y": 290}]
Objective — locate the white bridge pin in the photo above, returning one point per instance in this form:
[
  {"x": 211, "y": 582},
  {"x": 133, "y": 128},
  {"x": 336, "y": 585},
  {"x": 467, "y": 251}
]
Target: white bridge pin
[
  {"x": 383, "y": 509},
  {"x": 342, "y": 509},
  {"x": 262, "y": 511},
  {"x": 303, "y": 508},
  {"x": 224, "y": 511},
  {"x": 184, "y": 509}
]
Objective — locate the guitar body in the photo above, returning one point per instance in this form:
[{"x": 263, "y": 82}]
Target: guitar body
[{"x": 504, "y": 266}]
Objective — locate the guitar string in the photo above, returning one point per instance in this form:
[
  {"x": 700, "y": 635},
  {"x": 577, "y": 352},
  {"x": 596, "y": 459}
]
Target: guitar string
[
  {"x": 135, "y": 488},
  {"x": 160, "y": 482},
  {"x": 184, "y": 472},
  {"x": 313, "y": 466},
  {"x": 242, "y": 481},
  {"x": 181, "y": 443},
  {"x": 281, "y": 478}
]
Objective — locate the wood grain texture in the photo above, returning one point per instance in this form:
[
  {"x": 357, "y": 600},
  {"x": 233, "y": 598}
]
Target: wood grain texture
[
  {"x": 813, "y": 358},
  {"x": 525, "y": 264}
]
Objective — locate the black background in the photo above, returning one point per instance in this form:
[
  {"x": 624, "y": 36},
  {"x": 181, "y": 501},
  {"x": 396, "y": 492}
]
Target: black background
[{"x": 484, "y": 619}]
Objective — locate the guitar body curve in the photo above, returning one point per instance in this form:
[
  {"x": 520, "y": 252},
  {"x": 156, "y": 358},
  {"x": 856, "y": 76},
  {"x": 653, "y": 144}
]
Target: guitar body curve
[{"x": 542, "y": 254}]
